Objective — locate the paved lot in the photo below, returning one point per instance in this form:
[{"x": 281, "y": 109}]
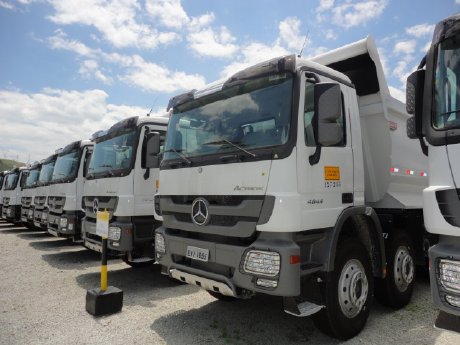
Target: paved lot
[{"x": 43, "y": 283}]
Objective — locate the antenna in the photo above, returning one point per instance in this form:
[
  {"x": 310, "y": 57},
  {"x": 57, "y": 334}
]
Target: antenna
[
  {"x": 304, "y": 43},
  {"x": 151, "y": 109}
]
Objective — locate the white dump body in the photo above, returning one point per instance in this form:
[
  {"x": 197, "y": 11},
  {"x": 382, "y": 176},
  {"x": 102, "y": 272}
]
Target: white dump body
[{"x": 395, "y": 167}]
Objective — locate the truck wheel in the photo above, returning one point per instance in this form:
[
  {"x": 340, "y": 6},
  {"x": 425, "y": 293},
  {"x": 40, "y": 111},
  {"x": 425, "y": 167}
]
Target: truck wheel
[
  {"x": 138, "y": 264},
  {"x": 221, "y": 297},
  {"x": 348, "y": 292},
  {"x": 395, "y": 291}
]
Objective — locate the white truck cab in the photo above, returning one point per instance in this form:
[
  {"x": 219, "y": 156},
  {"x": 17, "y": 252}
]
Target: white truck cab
[
  {"x": 42, "y": 192},
  {"x": 122, "y": 179},
  {"x": 28, "y": 193},
  {"x": 433, "y": 97},
  {"x": 12, "y": 193},
  {"x": 295, "y": 178},
  {"x": 65, "y": 210}
]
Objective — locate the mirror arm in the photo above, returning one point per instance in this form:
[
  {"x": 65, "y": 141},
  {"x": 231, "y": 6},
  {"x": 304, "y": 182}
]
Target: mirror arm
[
  {"x": 147, "y": 173},
  {"x": 314, "y": 158},
  {"x": 424, "y": 146}
]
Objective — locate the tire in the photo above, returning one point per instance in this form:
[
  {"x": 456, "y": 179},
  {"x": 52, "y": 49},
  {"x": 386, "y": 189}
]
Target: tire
[
  {"x": 348, "y": 292},
  {"x": 138, "y": 264},
  {"x": 221, "y": 297},
  {"x": 395, "y": 291}
]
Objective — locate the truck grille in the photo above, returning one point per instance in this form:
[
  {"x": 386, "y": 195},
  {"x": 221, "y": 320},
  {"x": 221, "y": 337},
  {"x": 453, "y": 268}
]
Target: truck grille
[
  {"x": 108, "y": 203},
  {"x": 39, "y": 201},
  {"x": 26, "y": 201},
  {"x": 229, "y": 215},
  {"x": 56, "y": 203}
]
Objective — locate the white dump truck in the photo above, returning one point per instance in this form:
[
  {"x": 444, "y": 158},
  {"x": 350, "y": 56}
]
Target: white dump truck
[
  {"x": 28, "y": 193},
  {"x": 121, "y": 178},
  {"x": 2, "y": 179},
  {"x": 295, "y": 178},
  {"x": 65, "y": 211},
  {"x": 433, "y": 97},
  {"x": 42, "y": 192},
  {"x": 12, "y": 193}
]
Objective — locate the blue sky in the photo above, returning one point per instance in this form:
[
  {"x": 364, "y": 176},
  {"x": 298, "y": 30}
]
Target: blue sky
[{"x": 69, "y": 68}]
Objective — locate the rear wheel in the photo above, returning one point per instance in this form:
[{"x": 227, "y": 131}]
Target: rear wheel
[
  {"x": 395, "y": 291},
  {"x": 348, "y": 292}
]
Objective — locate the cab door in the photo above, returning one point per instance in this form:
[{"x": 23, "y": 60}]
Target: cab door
[{"x": 325, "y": 188}]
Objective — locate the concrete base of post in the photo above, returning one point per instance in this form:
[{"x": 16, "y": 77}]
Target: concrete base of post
[{"x": 106, "y": 302}]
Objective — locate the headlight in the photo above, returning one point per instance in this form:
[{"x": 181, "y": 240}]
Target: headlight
[
  {"x": 449, "y": 274},
  {"x": 160, "y": 246},
  {"x": 114, "y": 233},
  {"x": 63, "y": 222},
  {"x": 8, "y": 211},
  {"x": 71, "y": 226},
  {"x": 262, "y": 263},
  {"x": 44, "y": 216}
]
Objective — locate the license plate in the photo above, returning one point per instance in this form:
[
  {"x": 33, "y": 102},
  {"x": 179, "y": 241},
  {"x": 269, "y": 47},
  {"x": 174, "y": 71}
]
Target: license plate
[
  {"x": 196, "y": 253},
  {"x": 53, "y": 232},
  {"x": 93, "y": 246}
]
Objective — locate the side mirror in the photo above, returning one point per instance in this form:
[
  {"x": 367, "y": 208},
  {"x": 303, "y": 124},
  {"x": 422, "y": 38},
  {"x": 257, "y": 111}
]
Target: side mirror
[
  {"x": 152, "y": 150},
  {"x": 328, "y": 110},
  {"x": 414, "y": 103}
]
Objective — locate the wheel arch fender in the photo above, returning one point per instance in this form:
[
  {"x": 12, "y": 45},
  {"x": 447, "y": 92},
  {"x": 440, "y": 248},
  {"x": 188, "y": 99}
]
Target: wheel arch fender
[{"x": 363, "y": 223}]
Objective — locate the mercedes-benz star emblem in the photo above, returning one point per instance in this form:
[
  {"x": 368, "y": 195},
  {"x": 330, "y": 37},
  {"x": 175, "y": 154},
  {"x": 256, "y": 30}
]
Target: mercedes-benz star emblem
[
  {"x": 200, "y": 212},
  {"x": 95, "y": 205}
]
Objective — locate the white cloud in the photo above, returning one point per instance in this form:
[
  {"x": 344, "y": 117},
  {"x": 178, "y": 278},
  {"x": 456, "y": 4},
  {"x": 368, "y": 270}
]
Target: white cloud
[
  {"x": 330, "y": 34},
  {"x": 349, "y": 14},
  {"x": 208, "y": 42},
  {"x": 153, "y": 77},
  {"x": 76, "y": 114},
  {"x": 398, "y": 93},
  {"x": 170, "y": 12},
  {"x": 60, "y": 41},
  {"x": 6, "y": 5},
  {"x": 115, "y": 19},
  {"x": 457, "y": 2},
  {"x": 420, "y": 30},
  {"x": 89, "y": 69},
  {"x": 405, "y": 47},
  {"x": 289, "y": 34}
]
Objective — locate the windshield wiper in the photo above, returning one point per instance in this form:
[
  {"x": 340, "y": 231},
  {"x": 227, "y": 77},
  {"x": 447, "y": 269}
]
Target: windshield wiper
[
  {"x": 225, "y": 141},
  {"x": 450, "y": 112},
  {"x": 172, "y": 149}
]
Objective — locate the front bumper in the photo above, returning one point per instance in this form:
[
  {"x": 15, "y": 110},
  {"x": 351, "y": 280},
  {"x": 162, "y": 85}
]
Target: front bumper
[
  {"x": 225, "y": 264},
  {"x": 119, "y": 247},
  {"x": 27, "y": 215},
  {"x": 449, "y": 249},
  {"x": 58, "y": 227},
  {"x": 39, "y": 221}
]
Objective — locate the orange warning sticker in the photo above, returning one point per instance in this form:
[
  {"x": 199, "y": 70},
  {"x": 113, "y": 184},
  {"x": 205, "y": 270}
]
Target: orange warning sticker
[{"x": 332, "y": 173}]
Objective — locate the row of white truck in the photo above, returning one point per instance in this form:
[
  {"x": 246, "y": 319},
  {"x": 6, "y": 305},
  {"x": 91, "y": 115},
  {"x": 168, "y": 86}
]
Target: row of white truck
[{"x": 293, "y": 178}]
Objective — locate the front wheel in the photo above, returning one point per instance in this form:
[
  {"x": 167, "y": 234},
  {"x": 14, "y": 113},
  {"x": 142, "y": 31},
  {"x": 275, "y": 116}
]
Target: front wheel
[
  {"x": 395, "y": 291},
  {"x": 348, "y": 292}
]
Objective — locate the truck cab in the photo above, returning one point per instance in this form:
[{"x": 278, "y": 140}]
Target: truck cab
[
  {"x": 65, "y": 211},
  {"x": 295, "y": 178},
  {"x": 12, "y": 192},
  {"x": 433, "y": 98},
  {"x": 2, "y": 180},
  {"x": 28, "y": 193},
  {"x": 42, "y": 192},
  {"x": 122, "y": 179}
]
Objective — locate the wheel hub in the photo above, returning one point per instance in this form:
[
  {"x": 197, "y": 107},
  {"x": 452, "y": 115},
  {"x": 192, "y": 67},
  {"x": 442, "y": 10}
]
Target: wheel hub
[
  {"x": 353, "y": 288},
  {"x": 403, "y": 268}
]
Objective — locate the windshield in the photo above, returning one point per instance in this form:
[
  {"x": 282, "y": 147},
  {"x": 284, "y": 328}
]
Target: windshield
[
  {"x": 112, "y": 154},
  {"x": 66, "y": 166},
  {"x": 32, "y": 178},
  {"x": 11, "y": 181},
  {"x": 240, "y": 118},
  {"x": 46, "y": 172},
  {"x": 447, "y": 85}
]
